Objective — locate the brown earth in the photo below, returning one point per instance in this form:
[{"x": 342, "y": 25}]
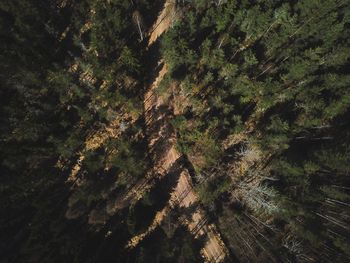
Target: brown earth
[
  {"x": 162, "y": 149},
  {"x": 183, "y": 195},
  {"x": 164, "y": 21}
]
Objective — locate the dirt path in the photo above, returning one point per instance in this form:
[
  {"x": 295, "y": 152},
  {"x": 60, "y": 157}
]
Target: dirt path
[
  {"x": 162, "y": 149},
  {"x": 160, "y": 133},
  {"x": 183, "y": 195},
  {"x": 163, "y": 23},
  {"x": 162, "y": 143}
]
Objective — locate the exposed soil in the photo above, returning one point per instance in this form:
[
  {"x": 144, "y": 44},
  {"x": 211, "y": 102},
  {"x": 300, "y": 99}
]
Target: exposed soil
[
  {"x": 162, "y": 148},
  {"x": 163, "y": 23},
  {"x": 162, "y": 141}
]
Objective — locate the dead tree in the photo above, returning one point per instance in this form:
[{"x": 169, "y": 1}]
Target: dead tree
[{"x": 137, "y": 19}]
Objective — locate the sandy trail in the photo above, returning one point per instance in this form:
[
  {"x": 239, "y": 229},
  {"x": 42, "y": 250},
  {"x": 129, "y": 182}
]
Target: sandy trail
[
  {"x": 163, "y": 23},
  {"x": 162, "y": 148},
  {"x": 159, "y": 133}
]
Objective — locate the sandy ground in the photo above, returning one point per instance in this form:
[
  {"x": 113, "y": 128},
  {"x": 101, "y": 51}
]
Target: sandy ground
[
  {"x": 162, "y": 141},
  {"x": 163, "y": 23},
  {"x": 183, "y": 194}
]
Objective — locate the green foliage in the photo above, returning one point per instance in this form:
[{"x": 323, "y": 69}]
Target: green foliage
[
  {"x": 275, "y": 72},
  {"x": 211, "y": 191},
  {"x": 65, "y": 68},
  {"x": 278, "y": 73}
]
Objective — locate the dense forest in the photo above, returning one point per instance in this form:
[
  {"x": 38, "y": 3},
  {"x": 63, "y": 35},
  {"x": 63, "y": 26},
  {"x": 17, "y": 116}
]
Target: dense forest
[{"x": 254, "y": 96}]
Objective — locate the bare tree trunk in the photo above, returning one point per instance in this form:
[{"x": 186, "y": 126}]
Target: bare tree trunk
[
  {"x": 138, "y": 21},
  {"x": 139, "y": 26},
  {"x": 221, "y": 43}
]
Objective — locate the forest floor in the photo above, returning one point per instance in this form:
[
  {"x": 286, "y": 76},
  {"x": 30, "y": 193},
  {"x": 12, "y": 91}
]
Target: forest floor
[
  {"x": 162, "y": 145},
  {"x": 163, "y": 23},
  {"x": 167, "y": 161}
]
